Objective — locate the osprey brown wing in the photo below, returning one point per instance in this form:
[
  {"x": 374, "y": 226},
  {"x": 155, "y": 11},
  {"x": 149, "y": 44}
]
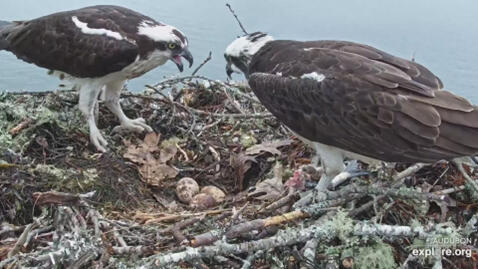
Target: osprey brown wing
[
  {"x": 279, "y": 48},
  {"x": 415, "y": 70},
  {"x": 365, "y": 106},
  {"x": 56, "y": 43}
]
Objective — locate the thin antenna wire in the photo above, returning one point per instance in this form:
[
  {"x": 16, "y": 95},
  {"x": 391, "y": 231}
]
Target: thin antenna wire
[{"x": 237, "y": 19}]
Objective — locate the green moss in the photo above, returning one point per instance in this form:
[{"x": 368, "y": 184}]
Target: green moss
[
  {"x": 472, "y": 189},
  {"x": 170, "y": 142},
  {"x": 17, "y": 109},
  {"x": 248, "y": 140},
  {"x": 342, "y": 225},
  {"x": 67, "y": 179},
  {"x": 378, "y": 256}
]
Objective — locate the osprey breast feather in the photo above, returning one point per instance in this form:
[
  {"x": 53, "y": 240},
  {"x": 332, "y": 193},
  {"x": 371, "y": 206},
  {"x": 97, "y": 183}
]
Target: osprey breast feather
[{"x": 95, "y": 48}]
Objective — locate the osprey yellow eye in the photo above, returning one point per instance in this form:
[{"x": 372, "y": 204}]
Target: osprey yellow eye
[{"x": 172, "y": 46}]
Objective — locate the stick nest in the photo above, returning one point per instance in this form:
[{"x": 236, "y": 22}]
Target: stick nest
[{"x": 65, "y": 206}]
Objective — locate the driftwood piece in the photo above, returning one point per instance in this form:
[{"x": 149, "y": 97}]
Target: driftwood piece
[
  {"x": 237, "y": 230},
  {"x": 61, "y": 198}
]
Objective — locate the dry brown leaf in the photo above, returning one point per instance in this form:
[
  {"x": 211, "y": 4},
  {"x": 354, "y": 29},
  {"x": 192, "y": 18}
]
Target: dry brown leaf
[
  {"x": 168, "y": 150},
  {"x": 241, "y": 163},
  {"x": 138, "y": 154},
  {"x": 155, "y": 172},
  {"x": 142, "y": 153},
  {"x": 151, "y": 141},
  {"x": 270, "y": 189},
  {"x": 268, "y": 146}
]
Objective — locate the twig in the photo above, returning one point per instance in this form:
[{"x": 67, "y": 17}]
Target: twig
[
  {"x": 365, "y": 206},
  {"x": 83, "y": 260},
  {"x": 187, "y": 79},
  {"x": 237, "y": 213},
  {"x": 9, "y": 229},
  {"x": 22, "y": 125},
  {"x": 176, "y": 229},
  {"x": 61, "y": 198},
  {"x": 35, "y": 233},
  {"x": 237, "y": 19},
  {"x": 139, "y": 250},
  {"x": 398, "y": 181},
  {"x": 452, "y": 189},
  {"x": 293, "y": 236},
  {"x": 119, "y": 239},
  {"x": 7, "y": 261},
  {"x": 40, "y": 93},
  {"x": 205, "y": 113},
  {"x": 248, "y": 262},
  {"x": 237, "y": 230},
  {"x": 375, "y": 189},
  {"x": 22, "y": 239},
  {"x": 209, "y": 57},
  {"x": 289, "y": 198},
  {"x": 409, "y": 259},
  {"x": 233, "y": 102},
  {"x": 472, "y": 184},
  {"x": 409, "y": 171},
  {"x": 310, "y": 249},
  {"x": 93, "y": 215}
]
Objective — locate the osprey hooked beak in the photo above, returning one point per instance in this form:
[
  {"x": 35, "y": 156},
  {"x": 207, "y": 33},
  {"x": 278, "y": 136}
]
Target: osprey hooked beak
[
  {"x": 186, "y": 55},
  {"x": 229, "y": 70},
  {"x": 231, "y": 67}
]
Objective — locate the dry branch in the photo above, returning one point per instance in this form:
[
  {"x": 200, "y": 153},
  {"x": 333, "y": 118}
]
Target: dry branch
[
  {"x": 293, "y": 236},
  {"x": 237, "y": 230},
  {"x": 209, "y": 57},
  {"x": 22, "y": 125},
  {"x": 409, "y": 171},
  {"x": 237, "y": 19},
  {"x": 61, "y": 198},
  {"x": 21, "y": 240},
  {"x": 211, "y": 114}
]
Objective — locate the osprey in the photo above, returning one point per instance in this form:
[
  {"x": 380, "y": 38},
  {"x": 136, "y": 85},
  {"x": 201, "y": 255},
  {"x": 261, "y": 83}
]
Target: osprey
[
  {"x": 353, "y": 100},
  {"x": 95, "y": 48}
]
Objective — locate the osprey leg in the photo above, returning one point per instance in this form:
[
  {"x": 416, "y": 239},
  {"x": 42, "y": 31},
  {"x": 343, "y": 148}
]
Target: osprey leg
[
  {"x": 332, "y": 162},
  {"x": 112, "y": 95},
  {"x": 88, "y": 99}
]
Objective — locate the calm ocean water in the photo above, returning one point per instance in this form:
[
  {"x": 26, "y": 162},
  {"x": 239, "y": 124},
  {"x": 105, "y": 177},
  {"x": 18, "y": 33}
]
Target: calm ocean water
[{"x": 441, "y": 34}]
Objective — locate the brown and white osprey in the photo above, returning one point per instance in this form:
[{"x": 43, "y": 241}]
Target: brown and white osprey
[
  {"x": 95, "y": 48},
  {"x": 352, "y": 100}
]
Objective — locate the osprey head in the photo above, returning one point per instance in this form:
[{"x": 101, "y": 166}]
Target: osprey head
[
  {"x": 239, "y": 53},
  {"x": 169, "y": 42}
]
